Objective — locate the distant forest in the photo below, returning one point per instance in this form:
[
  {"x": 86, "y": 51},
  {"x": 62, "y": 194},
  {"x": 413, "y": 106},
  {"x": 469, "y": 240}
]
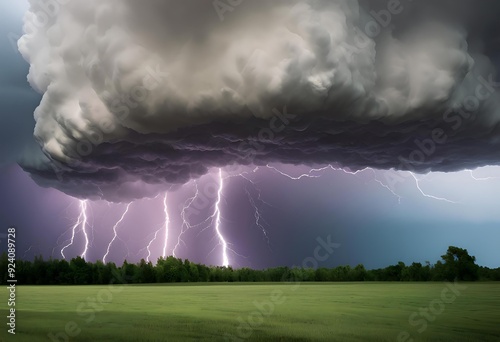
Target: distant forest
[{"x": 456, "y": 264}]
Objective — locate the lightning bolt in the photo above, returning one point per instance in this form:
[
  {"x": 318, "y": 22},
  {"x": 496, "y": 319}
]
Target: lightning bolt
[
  {"x": 258, "y": 216},
  {"x": 164, "y": 227},
  {"x": 217, "y": 221},
  {"x": 26, "y": 251},
  {"x": 83, "y": 206},
  {"x": 257, "y": 213},
  {"x": 260, "y": 221},
  {"x": 72, "y": 239},
  {"x": 330, "y": 167},
  {"x": 186, "y": 225},
  {"x": 311, "y": 174},
  {"x": 213, "y": 221},
  {"x": 304, "y": 175},
  {"x": 148, "y": 247},
  {"x": 167, "y": 224},
  {"x": 482, "y": 178},
  {"x": 80, "y": 222},
  {"x": 115, "y": 231},
  {"x": 417, "y": 182}
]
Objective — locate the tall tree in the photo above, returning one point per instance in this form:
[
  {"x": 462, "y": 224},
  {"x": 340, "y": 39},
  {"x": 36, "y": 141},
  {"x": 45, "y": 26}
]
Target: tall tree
[
  {"x": 459, "y": 264},
  {"x": 80, "y": 270}
]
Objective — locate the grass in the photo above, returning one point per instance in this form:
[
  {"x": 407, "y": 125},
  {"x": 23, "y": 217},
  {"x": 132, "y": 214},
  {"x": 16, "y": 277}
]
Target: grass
[{"x": 311, "y": 312}]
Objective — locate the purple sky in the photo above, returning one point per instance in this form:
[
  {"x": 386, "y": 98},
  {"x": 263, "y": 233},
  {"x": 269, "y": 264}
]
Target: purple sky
[{"x": 361, "y": 215}]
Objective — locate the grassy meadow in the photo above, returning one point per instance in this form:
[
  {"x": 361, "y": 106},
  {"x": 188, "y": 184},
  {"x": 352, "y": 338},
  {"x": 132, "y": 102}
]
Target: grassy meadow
[{"x": 256, "y": 312}]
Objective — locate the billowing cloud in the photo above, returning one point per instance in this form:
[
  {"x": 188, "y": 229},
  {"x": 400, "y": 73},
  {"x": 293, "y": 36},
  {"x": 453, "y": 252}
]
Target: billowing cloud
[{"x": 140, "y": 96}]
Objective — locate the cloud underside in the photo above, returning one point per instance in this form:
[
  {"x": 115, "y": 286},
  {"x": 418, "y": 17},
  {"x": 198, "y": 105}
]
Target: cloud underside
[
  {"x": 145, "y": 165},
  {"x": 140, "y": 97}
]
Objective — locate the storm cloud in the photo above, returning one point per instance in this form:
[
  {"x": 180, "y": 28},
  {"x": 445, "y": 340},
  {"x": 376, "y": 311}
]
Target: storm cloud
[{"x": 141, "y": 96}]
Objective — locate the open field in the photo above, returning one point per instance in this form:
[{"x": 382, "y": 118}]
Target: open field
[{"x": 269, "y": 312}]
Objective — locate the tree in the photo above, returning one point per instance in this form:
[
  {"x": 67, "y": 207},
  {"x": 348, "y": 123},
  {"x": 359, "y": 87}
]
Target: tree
[
  {"x": 322, "y": 274},
  {"x": 146, "y": 273},
  {"x": 340, "y": 273},
  {"x": 455, "y": 264},
  {"x": 40, "y": 270},
  {"x": 358, "y": 273},
  {"x": 80, "y": 271},
  {"x": 64, "y": 274},
  {"x": 129, "y": 271},
  {"x": 458, "y": 264},
  {"x": 194, "y": 274},
  {"x": 170, "y": 270},
  {"x": 203, "y": 271},
  {"x": 97, "y": 272},
  {"x": 395, "y": 272},
  {"x": 414, "y": 272}
]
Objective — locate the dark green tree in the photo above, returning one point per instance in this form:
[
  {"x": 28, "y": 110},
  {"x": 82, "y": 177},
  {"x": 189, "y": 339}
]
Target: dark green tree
[
  {"x": 358, "y": 273},
  {"x": 458, "y": 264},
  {"x": 146, "y": 272},
  {"x": 80, "y": 271}
]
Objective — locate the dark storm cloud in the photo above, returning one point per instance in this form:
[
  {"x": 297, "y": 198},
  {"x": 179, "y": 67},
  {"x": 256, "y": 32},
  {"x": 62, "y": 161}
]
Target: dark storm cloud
[{"x": 139, "y": 96}]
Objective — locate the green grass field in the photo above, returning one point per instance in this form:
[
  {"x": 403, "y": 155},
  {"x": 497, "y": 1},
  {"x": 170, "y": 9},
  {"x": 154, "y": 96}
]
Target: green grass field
[{"x": 215, "y": 312}]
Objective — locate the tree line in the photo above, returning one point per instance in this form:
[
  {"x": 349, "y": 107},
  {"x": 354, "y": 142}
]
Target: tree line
[{"x": 455, "y": 264}]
